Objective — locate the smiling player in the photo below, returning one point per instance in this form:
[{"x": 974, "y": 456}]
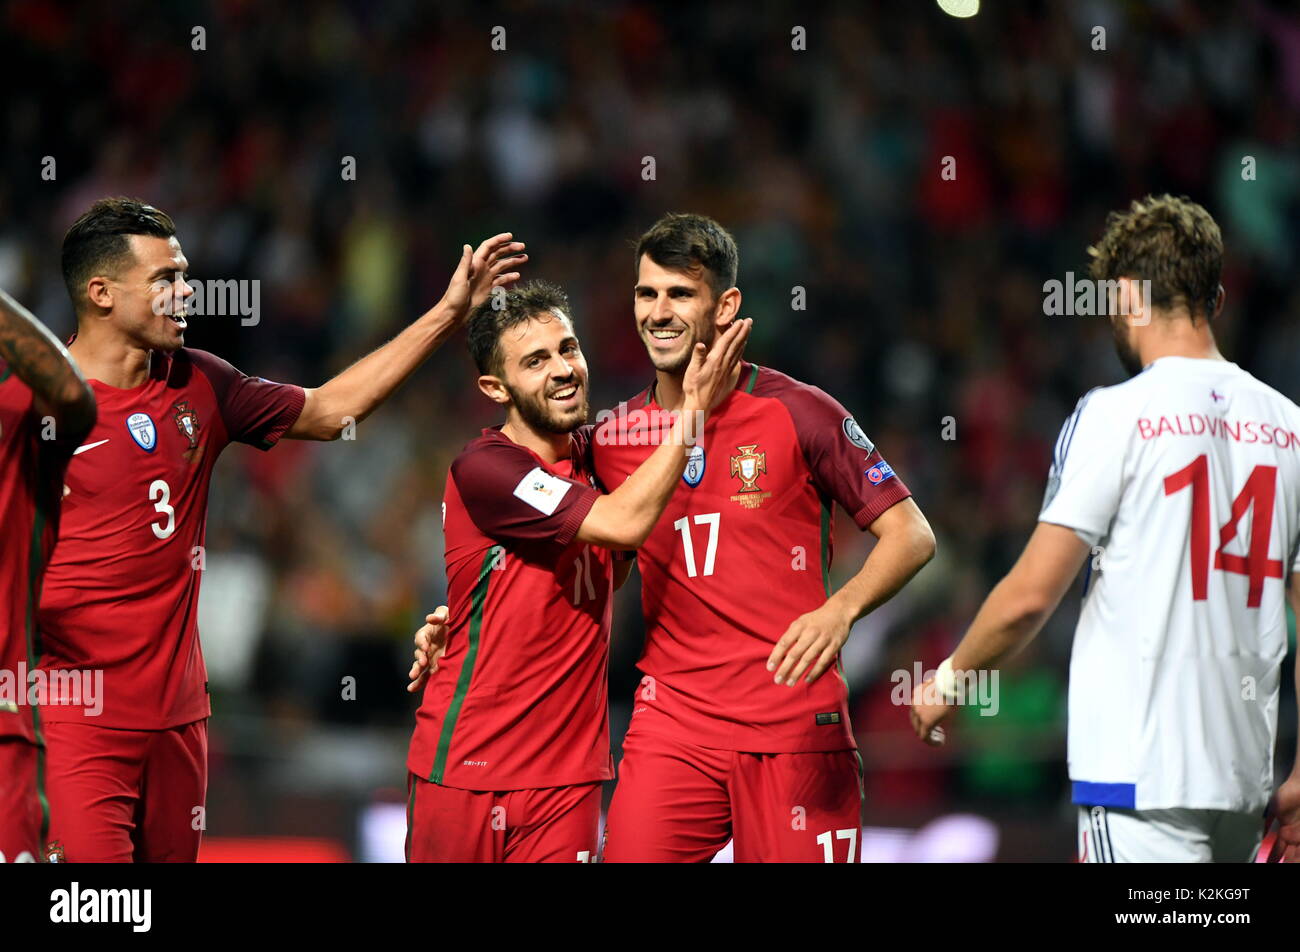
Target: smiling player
[
  {"x": 734, "y": 732},
  {"x": 122, "y": 591},
  {"x": 512, "y": 740}
]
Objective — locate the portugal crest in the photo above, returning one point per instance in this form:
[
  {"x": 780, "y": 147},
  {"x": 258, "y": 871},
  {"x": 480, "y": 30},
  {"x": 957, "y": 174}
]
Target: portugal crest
[
  {"x": 747, "y": 467},
  {"x": 187, "y": 421}
]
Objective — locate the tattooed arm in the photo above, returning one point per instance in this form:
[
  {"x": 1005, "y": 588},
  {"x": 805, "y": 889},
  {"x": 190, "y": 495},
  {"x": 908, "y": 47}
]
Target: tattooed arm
[{"x": 38, "y": 359}]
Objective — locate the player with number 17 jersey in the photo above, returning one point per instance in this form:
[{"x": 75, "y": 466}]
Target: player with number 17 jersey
[{"x": 744, "y": 547}]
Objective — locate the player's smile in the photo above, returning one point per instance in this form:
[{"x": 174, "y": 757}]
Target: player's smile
[
  {"x": 664, "y": 339},
  {"x": 568, "y": 396}
]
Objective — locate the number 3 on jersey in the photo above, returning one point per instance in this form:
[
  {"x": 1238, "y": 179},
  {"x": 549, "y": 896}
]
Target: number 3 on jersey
[
  {"x": 683, "y": 526},
  {"x": 1258, "y": 495},
  {"x": 160, "y": 495}
]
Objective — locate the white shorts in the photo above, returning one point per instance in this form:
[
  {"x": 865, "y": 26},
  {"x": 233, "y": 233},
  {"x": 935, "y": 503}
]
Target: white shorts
[{"x": 1117, "y": 835}]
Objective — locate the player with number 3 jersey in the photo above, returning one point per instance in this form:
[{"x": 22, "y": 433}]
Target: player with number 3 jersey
[{"x": 127, "y": 767}]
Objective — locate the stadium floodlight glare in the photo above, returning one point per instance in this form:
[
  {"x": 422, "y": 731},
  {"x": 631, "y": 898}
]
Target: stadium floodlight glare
[{"x": 960, "y": 8}]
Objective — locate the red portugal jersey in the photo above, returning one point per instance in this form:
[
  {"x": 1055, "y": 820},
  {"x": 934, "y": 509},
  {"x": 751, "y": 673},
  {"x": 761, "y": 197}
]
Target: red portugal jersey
[
  {"x": 519, "y": 700},
  {"x": 743, "y": 549},
  {"x": 122, "y": 591},
  {"x": 31, "y": 483}
]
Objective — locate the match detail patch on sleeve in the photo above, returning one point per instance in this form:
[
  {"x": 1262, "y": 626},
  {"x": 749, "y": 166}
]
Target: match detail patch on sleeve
[
  {"x": 541, "y": 490},
  {"x": 879, "y": 473}
]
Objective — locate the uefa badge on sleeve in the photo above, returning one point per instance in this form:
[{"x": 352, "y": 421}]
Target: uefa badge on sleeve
[{"x": 853, "y": 433}]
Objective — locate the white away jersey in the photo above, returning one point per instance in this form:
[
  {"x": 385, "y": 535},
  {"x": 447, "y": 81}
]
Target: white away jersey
[{"x": 1186, "y": 482}]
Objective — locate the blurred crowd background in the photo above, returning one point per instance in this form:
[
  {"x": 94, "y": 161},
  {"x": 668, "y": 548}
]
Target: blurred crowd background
[{"x": 924, "y": 303}]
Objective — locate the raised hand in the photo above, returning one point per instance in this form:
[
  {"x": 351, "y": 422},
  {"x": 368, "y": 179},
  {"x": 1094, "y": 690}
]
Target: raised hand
[{"x": 482, "y": 269}]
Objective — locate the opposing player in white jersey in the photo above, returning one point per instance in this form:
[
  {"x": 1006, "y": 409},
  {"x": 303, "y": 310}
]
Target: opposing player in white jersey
[{"x": 1180, "y": 490}]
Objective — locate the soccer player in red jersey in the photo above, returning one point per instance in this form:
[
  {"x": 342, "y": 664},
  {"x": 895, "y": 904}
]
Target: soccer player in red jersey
[
  {"x": 46, "y": 407},
  {"x": 127, "y": 780},
  {"x": 512, "y": 738},
  {"x": 734, "y": 732}
]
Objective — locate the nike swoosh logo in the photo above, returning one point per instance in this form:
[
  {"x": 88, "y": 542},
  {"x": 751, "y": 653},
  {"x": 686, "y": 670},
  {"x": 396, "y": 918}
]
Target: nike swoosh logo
[{"x": 88, "y": 446}]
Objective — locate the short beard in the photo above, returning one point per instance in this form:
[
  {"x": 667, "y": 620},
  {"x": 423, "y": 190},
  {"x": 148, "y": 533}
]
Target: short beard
[
  {"x": 672, "y": 365},
  {"x": 678, "y": 364},
  {"x": 540, "y": 417},
  {"x": 1128, "y": 357}
]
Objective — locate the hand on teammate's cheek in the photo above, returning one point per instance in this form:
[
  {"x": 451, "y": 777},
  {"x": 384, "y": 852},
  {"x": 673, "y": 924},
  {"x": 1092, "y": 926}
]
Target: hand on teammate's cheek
[{"x": 809, "y": 645}]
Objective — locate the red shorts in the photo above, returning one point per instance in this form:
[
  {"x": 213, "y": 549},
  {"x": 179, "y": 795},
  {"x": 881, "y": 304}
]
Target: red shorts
[
  {"x": 123, "y": 795},
  {"x": 679, "y": 803},
  {"x": 546, "y": 825},
  {"x": 22, "y": 813}
]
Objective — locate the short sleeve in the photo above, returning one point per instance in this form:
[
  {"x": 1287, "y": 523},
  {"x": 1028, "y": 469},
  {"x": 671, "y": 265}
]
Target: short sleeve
[
  {"x": 254, "y": 411},
  {"x": 511, "y": 497},
  {"x": 844, "y": 463},
  {"x": 1085, "y": 481}
]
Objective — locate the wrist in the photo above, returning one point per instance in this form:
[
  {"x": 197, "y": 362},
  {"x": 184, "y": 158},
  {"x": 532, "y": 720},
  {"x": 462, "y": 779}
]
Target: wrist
[
  {"x": 843, "y": 614},
  {"x": 945, "y": 681},
  {"x": 441, "y": 319},
  {"x": 691, "y": 418}
]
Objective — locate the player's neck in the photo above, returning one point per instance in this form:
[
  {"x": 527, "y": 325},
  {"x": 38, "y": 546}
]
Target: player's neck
[
  {"x": 670, "y": 391},
  {"x": 551, "y": 447},
  {"x": 1179, "y": 338},
  {"x": 110, "y": 358}
]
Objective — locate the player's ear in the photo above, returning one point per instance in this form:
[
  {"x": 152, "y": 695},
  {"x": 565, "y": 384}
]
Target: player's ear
[
  {"x": 494, "y": 389},
  {"x": 1131, "y": 304},
  {"x": 99, "y": 292},
  {"x": 1219, "y": 297},
  {"x": 728, "y": 308}
]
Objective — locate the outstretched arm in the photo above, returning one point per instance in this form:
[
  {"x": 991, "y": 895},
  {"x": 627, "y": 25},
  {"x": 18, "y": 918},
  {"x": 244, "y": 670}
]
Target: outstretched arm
[
  {"x": 40, "y": 361},
  {"x": 1010, "y": 617},
  {"x": 358, "y": 391}
]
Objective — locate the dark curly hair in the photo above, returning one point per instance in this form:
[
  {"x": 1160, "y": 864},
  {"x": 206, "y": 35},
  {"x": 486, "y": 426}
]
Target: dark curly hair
[{"x": 500, "y": 312}]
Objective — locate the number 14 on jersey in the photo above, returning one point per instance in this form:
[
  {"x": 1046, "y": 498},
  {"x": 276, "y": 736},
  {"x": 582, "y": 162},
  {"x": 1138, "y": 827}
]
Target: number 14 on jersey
[{"x": 1258, "y": 495}]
